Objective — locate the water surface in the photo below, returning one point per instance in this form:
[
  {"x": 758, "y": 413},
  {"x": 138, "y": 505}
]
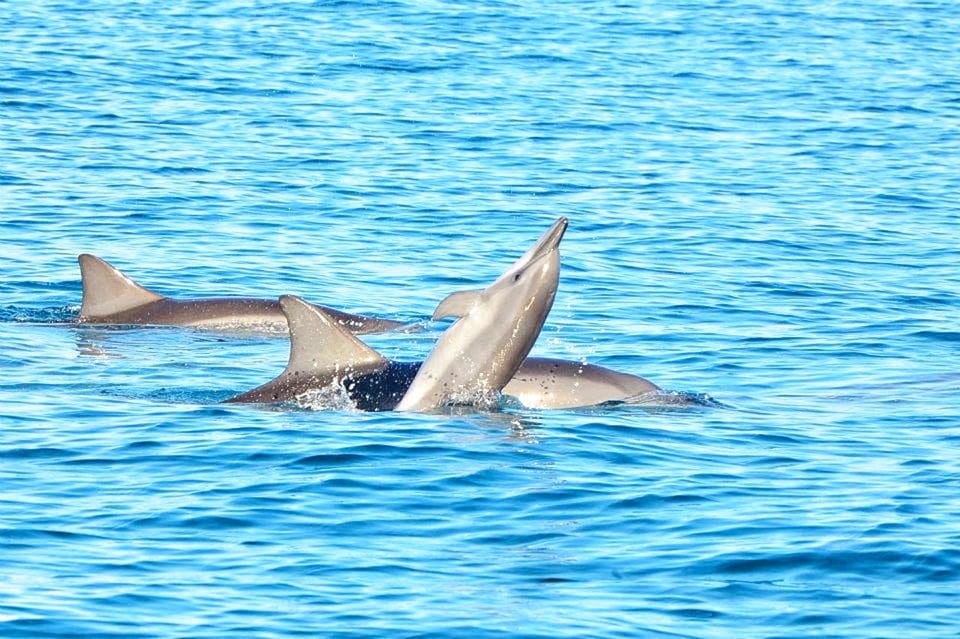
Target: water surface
[{"x": 763, "y": 215}]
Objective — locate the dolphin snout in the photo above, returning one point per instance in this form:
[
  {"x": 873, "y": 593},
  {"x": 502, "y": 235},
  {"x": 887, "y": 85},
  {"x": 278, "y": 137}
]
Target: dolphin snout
[{"x": 550, "y": 240}]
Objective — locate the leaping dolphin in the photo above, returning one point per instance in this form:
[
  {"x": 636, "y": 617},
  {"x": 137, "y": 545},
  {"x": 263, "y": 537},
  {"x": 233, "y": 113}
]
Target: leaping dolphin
[
  {"x": 110, "y": 297},
  {"x": 473, "y": 359},
  {"x": 323, "y": 354},
  {"x": 494, "y": 332}
]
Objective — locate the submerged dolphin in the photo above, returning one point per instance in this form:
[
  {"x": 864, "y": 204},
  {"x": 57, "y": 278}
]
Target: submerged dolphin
[
  {"x": 556, "y": 383},
  {"x": 494, "y": 332},
  {"x": 324, "y": 355},
  {"x": 110, "y": 297}
]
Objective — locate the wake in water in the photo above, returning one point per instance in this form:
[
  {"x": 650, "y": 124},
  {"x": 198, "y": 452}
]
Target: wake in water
[
  {"x": 354, "y": 396},
  {"x": 333, "y": 397},
  {"x": 668, "y": 399},
  {"x": 337, "y": 398},
  {"x": 32, "y": 315}
]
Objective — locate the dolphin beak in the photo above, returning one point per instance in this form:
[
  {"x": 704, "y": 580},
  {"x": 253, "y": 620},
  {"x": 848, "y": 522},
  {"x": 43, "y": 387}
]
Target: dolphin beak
[
  {"x": 545, "y": 246},
  {"x": 550, "y": 241}
]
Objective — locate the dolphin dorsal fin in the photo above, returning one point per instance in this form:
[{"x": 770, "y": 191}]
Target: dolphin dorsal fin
[
  {"x": 457, "y": 304},
  {"x": 107, "y": 291},
  {"x": 320, "y": 345}
]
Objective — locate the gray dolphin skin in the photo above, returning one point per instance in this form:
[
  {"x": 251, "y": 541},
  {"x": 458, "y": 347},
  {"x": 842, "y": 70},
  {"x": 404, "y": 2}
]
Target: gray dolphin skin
[
  {"x": 494, "y": 332},
  {"x": 110, "y": 297},
  {"x": 556, "y": 383},
  {"x": 323, "y": 353}
]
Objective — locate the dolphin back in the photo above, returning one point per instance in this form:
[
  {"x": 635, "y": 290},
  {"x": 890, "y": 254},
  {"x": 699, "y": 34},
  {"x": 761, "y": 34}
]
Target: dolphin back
[
  {"x": 322, "y": 352},
  {"x": 545, "y": 383}
]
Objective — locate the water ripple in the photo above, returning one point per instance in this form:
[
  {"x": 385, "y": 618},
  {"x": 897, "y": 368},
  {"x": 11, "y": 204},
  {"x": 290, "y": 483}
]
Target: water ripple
[{"x": 763, "y": 216}]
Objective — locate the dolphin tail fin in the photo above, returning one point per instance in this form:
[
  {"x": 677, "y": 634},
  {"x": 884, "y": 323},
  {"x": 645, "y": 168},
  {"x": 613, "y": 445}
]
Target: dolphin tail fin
[
  {"x": 457, "y": 304},
  {"x": 107, "y": 291},
  {"x": 319, "y": 344}
]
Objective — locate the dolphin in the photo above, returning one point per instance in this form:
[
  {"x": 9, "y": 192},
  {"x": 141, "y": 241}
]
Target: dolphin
[
  {"x": 542, "y": 382},
  {"x": 471, "y": 361},
  {"x": 110, "y": 297},
  {"x": 324, "y": 355},
  {"x": 495, "y": 330}
]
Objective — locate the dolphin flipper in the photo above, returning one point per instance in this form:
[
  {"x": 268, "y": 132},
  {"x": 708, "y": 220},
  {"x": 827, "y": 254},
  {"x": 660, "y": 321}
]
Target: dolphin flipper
[
  {"x": 107, "y": 291},
  {"x": 457, "y": 304}
]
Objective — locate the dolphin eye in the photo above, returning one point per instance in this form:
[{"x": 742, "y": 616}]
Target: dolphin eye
[{"x": 516, "y": 277}]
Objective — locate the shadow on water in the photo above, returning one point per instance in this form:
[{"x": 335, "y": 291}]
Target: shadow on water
[{"x": 113, "y": 340}]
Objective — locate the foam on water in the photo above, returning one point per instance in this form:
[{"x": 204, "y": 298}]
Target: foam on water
[{"x": 332, "y": 397}]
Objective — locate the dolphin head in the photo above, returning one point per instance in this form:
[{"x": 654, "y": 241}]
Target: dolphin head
[
  {"x": 496, "y": 329},
  {"x": 536, "y": 273},
  {"x": 517, "y": 303},
  {"x": 530, "y": 282}
]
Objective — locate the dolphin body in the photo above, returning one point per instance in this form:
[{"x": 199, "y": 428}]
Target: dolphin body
[
  {"x": 476, "y": 357},
  {"x": 494, "y": 332},
  {"x": 542, "y": 382},
  {"x": 324, "y": 354},
  {"x": 469, "y": 364},
  {"x": 110, "y": 297}
]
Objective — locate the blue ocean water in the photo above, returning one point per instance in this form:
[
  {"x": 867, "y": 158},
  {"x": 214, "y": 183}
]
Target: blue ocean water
[{"x": 764, "y": 215}]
